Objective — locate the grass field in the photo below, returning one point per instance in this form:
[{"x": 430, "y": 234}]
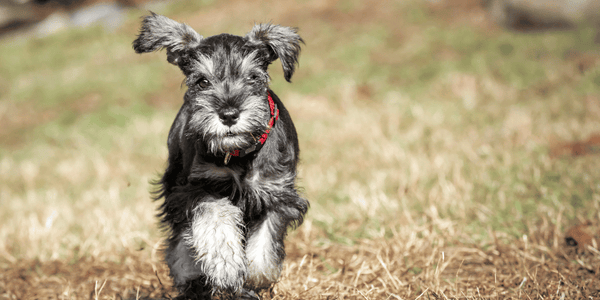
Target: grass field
[{"x": 443, "y": 156}]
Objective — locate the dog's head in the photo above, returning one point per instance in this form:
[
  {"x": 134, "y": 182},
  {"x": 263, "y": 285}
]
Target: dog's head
[{"x": 226, "y": 76}]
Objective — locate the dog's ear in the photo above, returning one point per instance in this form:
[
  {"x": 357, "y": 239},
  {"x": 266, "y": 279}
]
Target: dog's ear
[
  {"x": 280, "y": 42},
  {"x": 160, "y": 32}
]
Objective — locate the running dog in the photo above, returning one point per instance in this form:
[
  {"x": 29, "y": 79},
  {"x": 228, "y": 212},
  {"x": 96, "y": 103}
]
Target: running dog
[{"x": 229, "y": 188}]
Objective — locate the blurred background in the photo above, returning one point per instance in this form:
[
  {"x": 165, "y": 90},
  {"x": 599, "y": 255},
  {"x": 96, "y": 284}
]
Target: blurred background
[{"x": 424, "y": 125}]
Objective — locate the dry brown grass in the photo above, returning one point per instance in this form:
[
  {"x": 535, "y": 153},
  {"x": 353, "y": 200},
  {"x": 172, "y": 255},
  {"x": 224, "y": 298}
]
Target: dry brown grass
[
  {"x": 458, "y": 182},
  {"x": 413, "y": 262}
]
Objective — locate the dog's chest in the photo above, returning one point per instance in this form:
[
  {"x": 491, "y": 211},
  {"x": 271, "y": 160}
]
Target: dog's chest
[
  {"x": 226, "y": 180},
  {"x": 209, "y": 172}
]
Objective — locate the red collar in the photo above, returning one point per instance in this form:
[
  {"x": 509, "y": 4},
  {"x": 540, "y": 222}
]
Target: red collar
[{"x": 263, "y": 138}]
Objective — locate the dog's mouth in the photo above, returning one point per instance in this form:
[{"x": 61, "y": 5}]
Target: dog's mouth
[
  {"x": 232, "y": 140},
  {"x": 242, "y": 135}
]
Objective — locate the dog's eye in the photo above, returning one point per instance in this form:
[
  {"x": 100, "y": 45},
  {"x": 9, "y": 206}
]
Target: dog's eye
[
  {"x": 253, "y": 78},
  {"x": 203, "y": 83}
]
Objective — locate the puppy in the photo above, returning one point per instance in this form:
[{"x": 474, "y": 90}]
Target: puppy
[{"x": 229, "y": 188}]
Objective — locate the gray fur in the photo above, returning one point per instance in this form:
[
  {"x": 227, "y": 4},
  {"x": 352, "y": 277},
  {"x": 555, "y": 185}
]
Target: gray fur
[
  {"x": 159, "y": 32},
  {"x": 284, "y": 42}
]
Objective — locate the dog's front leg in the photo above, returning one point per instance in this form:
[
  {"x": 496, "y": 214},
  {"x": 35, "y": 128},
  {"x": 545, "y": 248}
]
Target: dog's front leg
[
  {"x": 265, "y": 237},
  {"x": 265, "y": 251},
  {"x": 216, "y": 239}
]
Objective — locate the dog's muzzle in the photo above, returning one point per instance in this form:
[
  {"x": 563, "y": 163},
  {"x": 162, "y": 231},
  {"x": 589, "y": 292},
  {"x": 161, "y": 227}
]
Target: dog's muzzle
[{"x": 263, "y": 138}]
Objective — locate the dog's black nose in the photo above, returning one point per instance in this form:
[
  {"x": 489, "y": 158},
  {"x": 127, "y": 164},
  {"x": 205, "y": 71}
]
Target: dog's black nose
[{"x": 229, "y": 116}]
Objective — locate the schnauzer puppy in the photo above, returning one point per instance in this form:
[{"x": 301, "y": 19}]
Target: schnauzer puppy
[{"x": 229, "y": 187}]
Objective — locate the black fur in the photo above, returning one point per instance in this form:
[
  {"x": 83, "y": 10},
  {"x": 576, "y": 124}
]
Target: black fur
[{"x": 255, "y": 194}]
